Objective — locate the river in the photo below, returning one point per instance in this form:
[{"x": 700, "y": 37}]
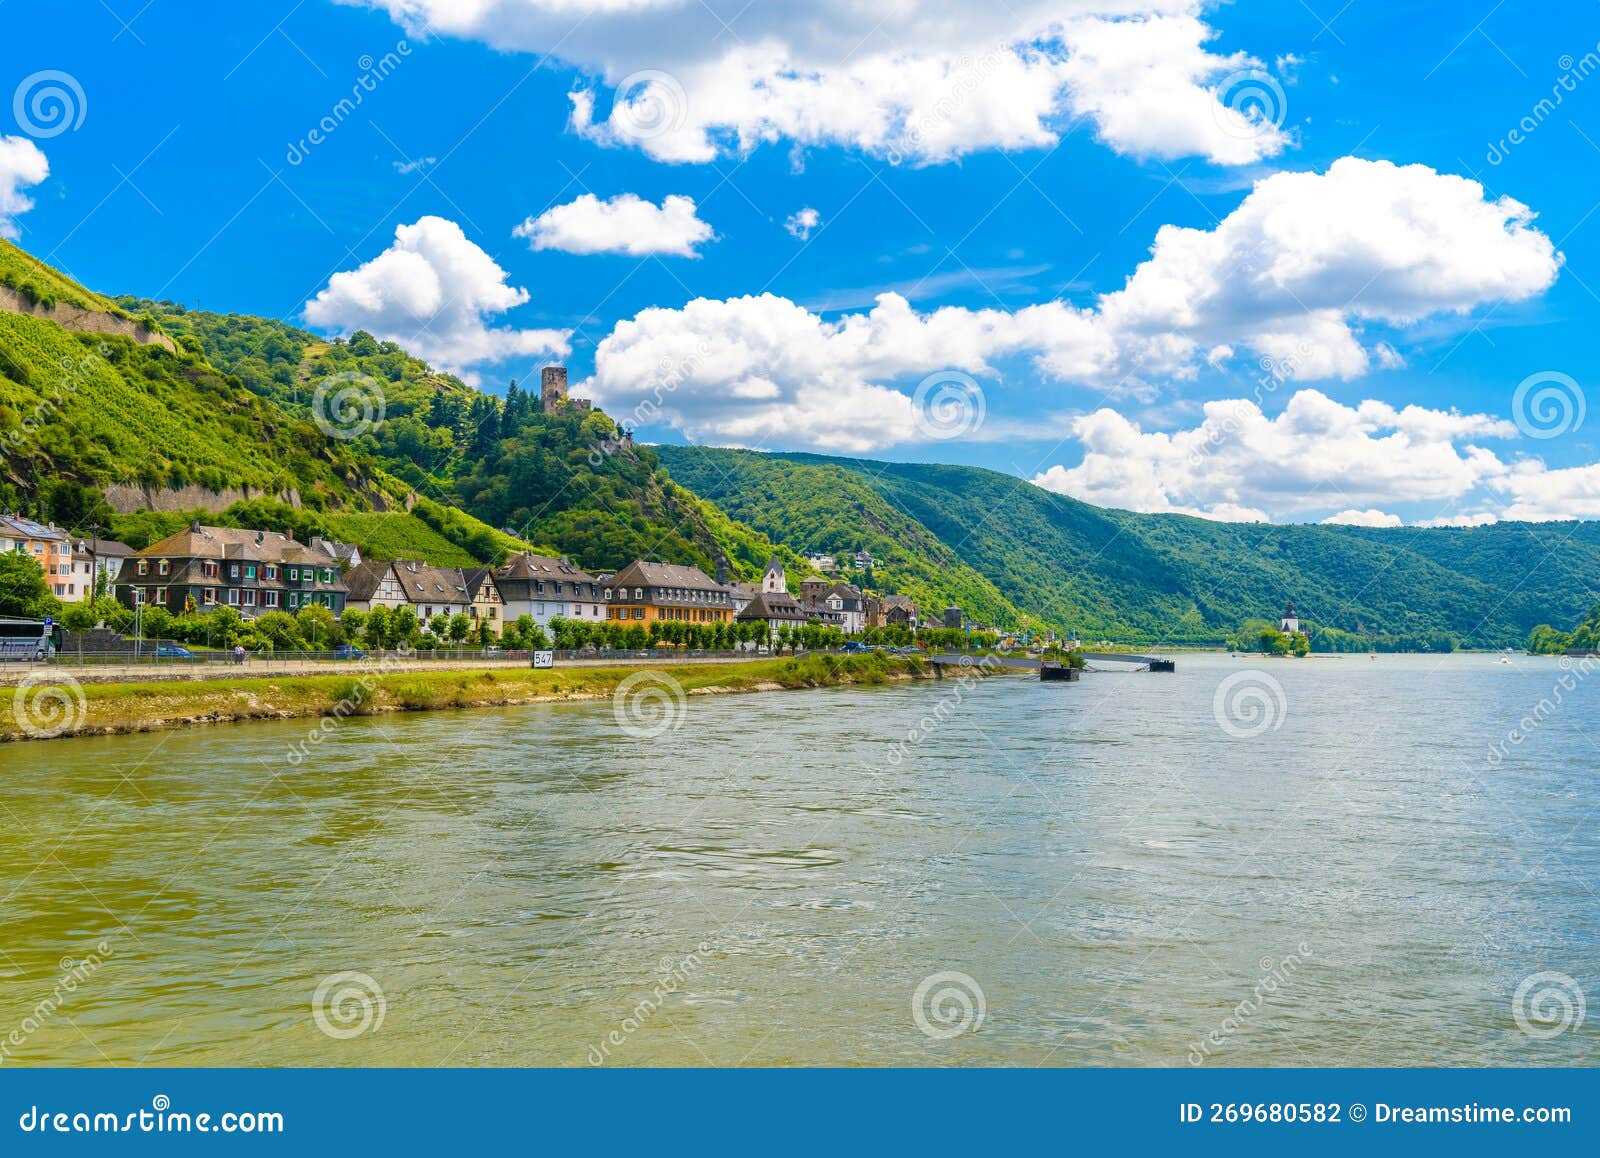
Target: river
[{"x": 1330, "y": 861}]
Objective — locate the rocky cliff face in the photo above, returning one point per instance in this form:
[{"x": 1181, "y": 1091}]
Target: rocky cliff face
[
  {"x": 83, "y": 321},
  {"x": 125, "y": 497}
]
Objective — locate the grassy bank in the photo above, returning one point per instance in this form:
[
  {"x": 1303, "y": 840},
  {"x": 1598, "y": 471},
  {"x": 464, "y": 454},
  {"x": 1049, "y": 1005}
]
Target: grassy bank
[{"x": 58, "y": 706}]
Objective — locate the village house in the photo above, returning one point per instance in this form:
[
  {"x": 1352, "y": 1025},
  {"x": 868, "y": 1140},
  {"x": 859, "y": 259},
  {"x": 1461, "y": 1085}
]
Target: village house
[
  {"x": 253, "y": 572},
  {"x": 487, "y": 605},
  {"x": 772, "y": 604},
  {"x": 543, "y": 588},
  {"x": 899, "y": 611},
  {"x": 822, "y": 562},
  {"x": 49, "y": 547},
  {"x": 834, "y": 603},
  {"x": 96, "y": 563},
  {"x": 643, "y": 592},
  {"x": 374, "y": 583},
  {"x": 433, "y": 590}
]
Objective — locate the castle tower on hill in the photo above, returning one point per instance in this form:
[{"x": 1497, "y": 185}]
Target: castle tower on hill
[
  {"x": 552, "y": 388},
  {"x": 553, "y": 392}
]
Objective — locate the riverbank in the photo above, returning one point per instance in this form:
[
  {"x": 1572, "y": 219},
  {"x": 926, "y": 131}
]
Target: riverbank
[{"x": 55, "y": 705}]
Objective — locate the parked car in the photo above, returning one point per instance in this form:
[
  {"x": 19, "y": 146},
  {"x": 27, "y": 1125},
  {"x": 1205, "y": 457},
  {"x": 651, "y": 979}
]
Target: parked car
[
  {"x": 855, "y": 647},
  {"x": 348, "y": 651},
  {"x": 173, "y": 651}
]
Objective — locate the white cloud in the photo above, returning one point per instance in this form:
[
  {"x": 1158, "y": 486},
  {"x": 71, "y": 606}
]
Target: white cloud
[
  {"x": 624, "y": 224},
  {"x": 924, "y": 80},
  {"x": 801, "y": 223},
  {"x": 432, "y": 291},
  {"x": 1539, "y": 494},
  {"x": 21, "y": 165},
  {"x": 1473, "y": 519},
  {"x": 1371, "y": 517},
  {"x": 1292, "y": 275},
  {"x": 1315, "y": 455}
]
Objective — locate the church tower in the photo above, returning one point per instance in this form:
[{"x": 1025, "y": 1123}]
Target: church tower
[{"x": 773, "y": 582}]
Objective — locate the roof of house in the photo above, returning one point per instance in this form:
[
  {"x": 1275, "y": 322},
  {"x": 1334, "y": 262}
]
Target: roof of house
[
  {"x": 517, "y": 576},
  {"x": 773, "y": 605},
  {"x": 363, "y": 581},
  {"x": 28, "y": 528},
  {"x": 197, "y": 542},
  {"x": 642, "y": 573},
  {"x": 344, "y": 552},
  {"x": 101, "y": 548},
  {"x": 898, "y": 601},
  {"x": 479, "y": 578},
  {"x": 425, "y": 583}
]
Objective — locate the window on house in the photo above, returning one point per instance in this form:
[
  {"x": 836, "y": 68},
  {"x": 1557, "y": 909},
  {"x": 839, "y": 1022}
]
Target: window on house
[
  {"x": 210, "y": 596},
  {"x": 272, "y": 572},
  {"x": 144, "y": 568},
  {"x": 249, "y": 598},
  {"x": 272, "y": 599},
  {"x": 294, "y": 574},
  {"x": 250, "y": 571},
  {"x": 327, "y": 575},
  {"x": 233, "y": 597},
  {"x": 638, "y": 592}
]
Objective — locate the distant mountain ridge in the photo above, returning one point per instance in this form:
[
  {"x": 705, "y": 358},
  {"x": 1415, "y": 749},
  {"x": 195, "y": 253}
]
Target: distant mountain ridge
[{"x": 1162, "y": 578}]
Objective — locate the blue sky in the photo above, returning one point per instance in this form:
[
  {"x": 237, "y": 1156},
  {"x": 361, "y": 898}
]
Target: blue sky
[{"x": 192, "y": 176}]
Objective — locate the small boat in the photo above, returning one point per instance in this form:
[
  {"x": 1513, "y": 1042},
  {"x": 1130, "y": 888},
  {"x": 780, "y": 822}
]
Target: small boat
[{"x": 1052, "y": 669}]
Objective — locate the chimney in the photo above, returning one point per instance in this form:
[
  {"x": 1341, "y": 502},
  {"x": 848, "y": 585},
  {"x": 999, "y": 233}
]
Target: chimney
[{"x": 194, "y": 527}]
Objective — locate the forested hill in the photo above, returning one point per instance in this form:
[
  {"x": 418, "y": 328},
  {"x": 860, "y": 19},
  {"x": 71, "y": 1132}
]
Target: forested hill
[{"x": 1125, "y": 576}]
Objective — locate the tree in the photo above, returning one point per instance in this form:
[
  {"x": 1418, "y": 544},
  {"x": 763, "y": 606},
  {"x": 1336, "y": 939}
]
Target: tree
[
  {"x": 379, "y": 623},
  {"x": 279, "y": 630},
  {"x": 460, "y": 625},
  {"x": 1299, "y": 644},
  {"x": 317, "y": 626},
  {"x": 23, "y": 590},
  {"x": 156, "y": 623},
  {"x": 79, "y": 618}
]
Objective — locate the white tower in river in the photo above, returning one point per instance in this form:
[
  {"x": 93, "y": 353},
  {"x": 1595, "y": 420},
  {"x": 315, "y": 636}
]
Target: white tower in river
[{"x": 1291, "y": 621}]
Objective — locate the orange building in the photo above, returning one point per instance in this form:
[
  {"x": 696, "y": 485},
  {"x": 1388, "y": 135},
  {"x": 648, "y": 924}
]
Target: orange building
[{"x": 644, "y": 592}]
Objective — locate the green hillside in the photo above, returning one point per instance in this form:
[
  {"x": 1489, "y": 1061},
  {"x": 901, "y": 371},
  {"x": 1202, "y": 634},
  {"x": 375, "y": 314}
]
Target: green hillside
[
  {"x": 1132, "y": 577},
  {"x": 38, "y": 282},
  {"x": 561, "y": 480}
]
